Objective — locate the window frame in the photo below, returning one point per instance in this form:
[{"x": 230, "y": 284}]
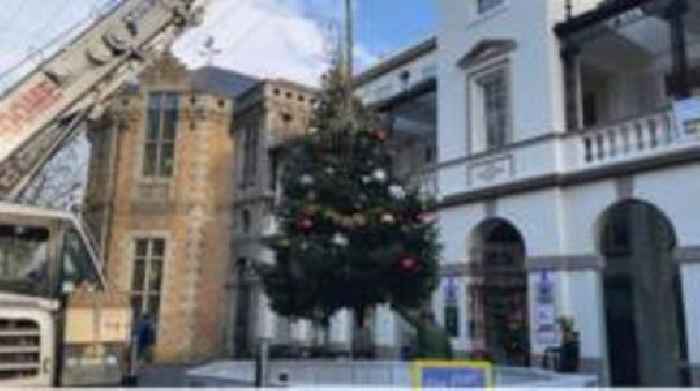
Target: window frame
[
  {"x": 251, "y": 148},
  {"x": 477, "y": 134},
  {"x": 165, "y": 108},
  {"x": 487, "y": 84},
  {"x": 145, "y": 295}
]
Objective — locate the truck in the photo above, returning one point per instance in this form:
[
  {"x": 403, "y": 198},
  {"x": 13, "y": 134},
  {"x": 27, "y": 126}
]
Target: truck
[{"x": 61, "y": 323}]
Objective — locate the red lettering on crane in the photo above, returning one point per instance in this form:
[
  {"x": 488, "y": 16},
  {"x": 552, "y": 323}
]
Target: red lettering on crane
[{"x": 28, "y": 106}]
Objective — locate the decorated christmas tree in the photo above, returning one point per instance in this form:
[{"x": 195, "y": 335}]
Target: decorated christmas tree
[{"x": 352, "y": 234}]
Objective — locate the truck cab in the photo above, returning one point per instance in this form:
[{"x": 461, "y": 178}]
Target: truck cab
[{"x": 60, "y": 324}]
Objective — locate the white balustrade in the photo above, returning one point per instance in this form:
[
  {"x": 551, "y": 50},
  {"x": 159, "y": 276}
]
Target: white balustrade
[{"x": 630, "y": 138}]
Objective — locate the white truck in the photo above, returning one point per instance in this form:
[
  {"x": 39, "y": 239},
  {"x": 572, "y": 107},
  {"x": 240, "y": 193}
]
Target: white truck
[{"x": 60, "y": 323}]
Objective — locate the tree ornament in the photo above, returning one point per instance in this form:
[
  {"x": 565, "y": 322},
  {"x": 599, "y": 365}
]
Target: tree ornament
[
  {"x": 379, "y": 174},
  {"x": 311, "y": 196},
  {"x": 427, "y": 217},
  {"x": 305, "y": 224},
  {"x": 387, "y": 218},
  {"x": 397, "y": 192},
  {"x": 408, "y": 264},
  {"x": 330, "y": 170},
  {"x": 380, "y": 135},
  {"x": 306, "y": 180},
  {"x": 340, "y": 240},
  {"x": 366, "y": 179},
  {"x": 359, "y": 219}
]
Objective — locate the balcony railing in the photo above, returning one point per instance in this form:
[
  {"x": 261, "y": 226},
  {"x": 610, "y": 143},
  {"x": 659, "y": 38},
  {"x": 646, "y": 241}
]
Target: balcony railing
[
  {"x": 562, "y": 156},
  {"x": 630, "y": 138}
]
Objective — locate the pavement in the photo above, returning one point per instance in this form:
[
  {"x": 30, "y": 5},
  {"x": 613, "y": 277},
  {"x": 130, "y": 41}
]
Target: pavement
[{"x": 175, "y": 376}]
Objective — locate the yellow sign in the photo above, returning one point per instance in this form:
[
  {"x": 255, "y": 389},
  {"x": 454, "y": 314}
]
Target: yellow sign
[{"x": 452, "y": 374}]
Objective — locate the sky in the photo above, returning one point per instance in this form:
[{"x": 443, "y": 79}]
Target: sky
[
  {"x": 291, "y": 39},
  {"x": 266, "y": 38}
]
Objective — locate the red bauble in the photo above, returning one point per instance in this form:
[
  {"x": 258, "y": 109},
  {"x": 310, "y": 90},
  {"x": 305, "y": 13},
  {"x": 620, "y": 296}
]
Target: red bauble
[
  {"x": 408, "y": 264},
  {"x": 380, "y": 135},
  {"x": 305, "y": 224},
  {"x": 427, "y": 217}
]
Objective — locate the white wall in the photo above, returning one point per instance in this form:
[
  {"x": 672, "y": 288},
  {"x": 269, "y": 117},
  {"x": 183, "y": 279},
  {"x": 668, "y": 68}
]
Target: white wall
[{"x": 535, "y": 68}]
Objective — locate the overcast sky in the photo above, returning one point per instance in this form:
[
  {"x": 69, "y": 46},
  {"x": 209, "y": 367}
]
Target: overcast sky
[{"x": 265, "y": 38}]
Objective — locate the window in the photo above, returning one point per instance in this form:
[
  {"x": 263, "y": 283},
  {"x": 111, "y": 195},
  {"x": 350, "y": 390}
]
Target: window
[
  {"x": 274, "y": 168},
  {"x": 24, "y": 259},
  {"x": 149, "y": 254},
  {"x": 245, "y": 215},
  {"x": 250, "y": 156},
  {"x": 161, "y": 132},
  {"x": 496, "y": 116},
  {"x": 487, "y": 5},
  {"x": 78, "y": 266}
]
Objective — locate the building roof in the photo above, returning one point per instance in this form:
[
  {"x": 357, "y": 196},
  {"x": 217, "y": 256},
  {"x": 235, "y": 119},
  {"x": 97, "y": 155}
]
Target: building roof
[
  {"x": 212, "y": 80},
  {"x": 397, "y": 60},
  {"x": 222, "y": 82},
  {"x": 606, "y": 9}
]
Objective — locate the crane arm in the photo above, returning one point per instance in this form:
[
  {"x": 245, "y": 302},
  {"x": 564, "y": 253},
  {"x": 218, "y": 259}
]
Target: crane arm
[{"x": 78, "y": 80}]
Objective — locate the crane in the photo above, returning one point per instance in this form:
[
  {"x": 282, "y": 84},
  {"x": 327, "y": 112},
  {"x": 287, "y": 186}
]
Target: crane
[{"x": 60, "y": 323}]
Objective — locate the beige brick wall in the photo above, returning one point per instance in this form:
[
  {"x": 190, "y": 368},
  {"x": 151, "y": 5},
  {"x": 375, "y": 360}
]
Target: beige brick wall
[{"x": 192, "y": 210}]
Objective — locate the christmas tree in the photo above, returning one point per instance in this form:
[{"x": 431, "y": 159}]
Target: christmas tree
[{"x": 352, "y": 234}]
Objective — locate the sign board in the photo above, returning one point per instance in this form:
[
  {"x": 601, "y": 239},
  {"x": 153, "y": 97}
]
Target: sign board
[
  {"x": 452, "y": 374},
  {"x": 545, "y": 311},
  {"x": 687, "y": 115}
]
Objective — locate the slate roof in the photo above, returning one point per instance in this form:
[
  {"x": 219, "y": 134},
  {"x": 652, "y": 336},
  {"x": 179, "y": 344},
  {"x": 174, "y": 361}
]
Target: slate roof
[
  {"x": 212, "y": 80},
  {"x": 221, "y": 82}
]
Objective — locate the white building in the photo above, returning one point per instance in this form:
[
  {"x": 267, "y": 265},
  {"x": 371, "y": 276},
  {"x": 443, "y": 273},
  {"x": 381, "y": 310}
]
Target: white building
[
  {"x": 563, "y": 165},
  {"x": 561, "y": 144}
]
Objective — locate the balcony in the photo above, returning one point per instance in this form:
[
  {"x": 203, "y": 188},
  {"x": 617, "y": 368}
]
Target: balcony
[
  {"x": 636, "y": 138},
  {"x": 637, "y": 143}
]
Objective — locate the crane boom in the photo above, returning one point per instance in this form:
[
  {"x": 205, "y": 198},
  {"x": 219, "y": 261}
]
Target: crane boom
[{"x": 76, "y": 82}]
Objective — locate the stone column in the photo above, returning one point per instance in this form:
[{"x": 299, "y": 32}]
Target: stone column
[
  {"x": 340, "y": 331},
  {"x": 572, "y": 84},
  {"x": 301, "y": 332},
  {"x": 679, "y": 52},
  {"x": 386, "y": 339},
  {"x": 266, "y": 318}
]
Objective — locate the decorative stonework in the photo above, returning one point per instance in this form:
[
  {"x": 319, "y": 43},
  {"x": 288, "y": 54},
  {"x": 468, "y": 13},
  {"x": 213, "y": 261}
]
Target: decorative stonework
[
  {"x": 490, "y": 171},
  {"x": 166, "y": 72},
  {"x": 485, "y": 50}
]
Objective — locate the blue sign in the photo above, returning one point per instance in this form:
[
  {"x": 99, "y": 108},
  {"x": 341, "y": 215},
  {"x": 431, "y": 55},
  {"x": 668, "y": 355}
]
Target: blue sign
[{"x": 452, "y": 374}]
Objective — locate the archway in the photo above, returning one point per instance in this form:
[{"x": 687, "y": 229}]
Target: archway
[
  {"x": 499, "y": 293},
  {"x": 643, "y": 302}
]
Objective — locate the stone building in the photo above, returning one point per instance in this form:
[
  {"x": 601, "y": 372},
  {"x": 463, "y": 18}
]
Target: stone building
[
  {"x": 266, "y": 116},
  {"x": 159, "y": 201}
]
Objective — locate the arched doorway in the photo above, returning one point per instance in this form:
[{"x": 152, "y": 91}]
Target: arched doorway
[
  {"x": 643, "y": 302},
  {"x": 499, "y": 293}
]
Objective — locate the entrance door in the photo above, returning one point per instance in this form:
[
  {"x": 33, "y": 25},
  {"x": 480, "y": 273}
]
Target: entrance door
[
  {"x": 622, "y": 335},
  {"x": 645, "y": 329},
  {"x": 500, "y": 298}
]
